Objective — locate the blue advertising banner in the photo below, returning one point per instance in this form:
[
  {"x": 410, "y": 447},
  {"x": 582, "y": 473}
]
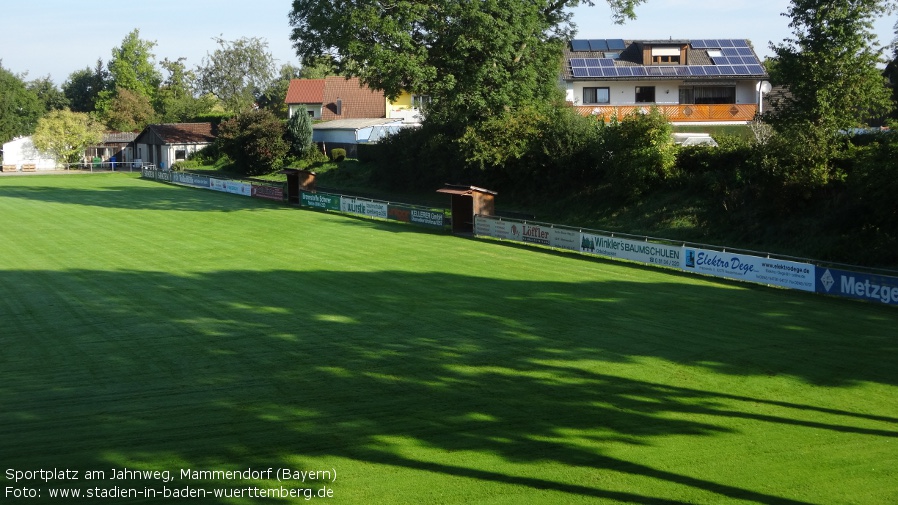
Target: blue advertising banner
[
  {"x": 868, "y": 287},
  {"x": 200, "y": 181}
]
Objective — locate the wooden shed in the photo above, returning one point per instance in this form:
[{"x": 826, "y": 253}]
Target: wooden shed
[
  {"x": 298, "y": 180},
  {"x": 468, "y": 201}
]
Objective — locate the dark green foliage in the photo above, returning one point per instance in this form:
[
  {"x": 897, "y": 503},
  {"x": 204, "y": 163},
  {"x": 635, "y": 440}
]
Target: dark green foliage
[
  {"x": 638, "y": 152},
  {"x": 299, "y": 135},
  {"x": 254, "y": 141},
  {"x": 830, "y": 66},
  {"x": 20, "y": 107},
  {"x": 475, "y": 59},
  {"x": 338, "y": 154}
]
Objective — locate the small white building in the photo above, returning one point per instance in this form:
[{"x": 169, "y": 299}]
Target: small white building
[
  {"x": 165, "y": 144},
  {"x": 20, "y": 151}
]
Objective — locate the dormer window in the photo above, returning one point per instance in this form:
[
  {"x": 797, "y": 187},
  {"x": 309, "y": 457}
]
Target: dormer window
[{"x": 665, "y": 55}]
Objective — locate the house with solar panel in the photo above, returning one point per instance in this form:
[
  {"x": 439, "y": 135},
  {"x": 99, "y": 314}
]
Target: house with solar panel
[{"x": 690, "y": 81}]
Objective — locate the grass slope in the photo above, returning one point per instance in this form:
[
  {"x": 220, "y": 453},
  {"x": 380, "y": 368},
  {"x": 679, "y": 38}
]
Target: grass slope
[{"x": 151, "y": 327}]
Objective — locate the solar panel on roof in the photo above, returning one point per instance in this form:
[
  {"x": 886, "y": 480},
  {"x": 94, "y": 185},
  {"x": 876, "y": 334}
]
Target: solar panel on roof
[
  {"x": 740, "y": 70},
  {"x": 580, "y": 45},
  {"x": 639, "y": 71},
  {"x": 755, "y": 69},
  {"x": 740, "y": 43},
  {"x": 653, "y": 70},
  {"x": 682, "y": 70},
  {"x": 696, "y": 70},
  {"x": 711, "y": 70},
  {"x": 591, "y": 62},
  {"x": 726, "y": 70},
  {"x": 595, "y": 71},
  {"x": 730, "y": 51},
  {"x": 606, "y": 62},
  {"x": 726, "y": 43},
  {"x": 698, "y": 44},
  {"x": 609, "y": 71},
  {"x": 624, "y": 71},
  {"x": 744, "y": 51},
  {"x": 720, "y": 60},
  {"x": 578, "y": 62},
  {"x": 616, "y": 45},
  {"x": 580, "y": 72},
  {"x": 598, "y": 45},
  {"x": 712, "y": 43}
]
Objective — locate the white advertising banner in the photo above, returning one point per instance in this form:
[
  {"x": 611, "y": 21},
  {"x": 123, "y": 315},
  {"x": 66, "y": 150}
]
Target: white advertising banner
[
  {"x": 525, "y": 232},
  {"x": 633, "y": 250},
  {"x": 364, "y": 207},
  {"x": 786, "y": 274},
  {"x": 218, "y": 184},
  {"x": 239, "y": 188}
]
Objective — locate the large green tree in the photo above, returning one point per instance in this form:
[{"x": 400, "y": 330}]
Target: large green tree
[
  {"x": 829, "y": 67},
  {"x": 475, "y": 59},
  {"x": 238, "y": 72},
  {"x": 20, "y": 107},
  {"x": 65, "y": 135},
  {"x": 50, "y": 96},
  {"x": 83, "y": 87},
  {"x": 177, "y": 100},
  {"x": 133, "y": 66}
]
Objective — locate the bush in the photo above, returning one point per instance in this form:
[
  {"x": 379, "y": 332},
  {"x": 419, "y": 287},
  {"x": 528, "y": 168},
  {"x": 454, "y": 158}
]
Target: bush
[
  {"x": 338, "y": 154},
  {"x": 640, "y": 153},
  {"x": 255, "y": 141}
]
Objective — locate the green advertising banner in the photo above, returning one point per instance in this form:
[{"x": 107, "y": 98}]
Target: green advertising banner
[{"x": 320, "y": 200}]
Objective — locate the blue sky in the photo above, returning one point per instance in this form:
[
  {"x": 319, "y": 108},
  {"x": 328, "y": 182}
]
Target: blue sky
[{"x": 58, "y": 37}]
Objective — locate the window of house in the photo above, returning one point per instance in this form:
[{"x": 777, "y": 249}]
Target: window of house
[
  {"x": 645, "y": 94},
  {"x": 666, "y": 55},
  {"x": 180, "y": 154},
  {"x": 420, "y": 101},
  {"x": 596, "y": 95},
  {"x": 311, "y": 113},
  {"x": 666, "y": 60}
]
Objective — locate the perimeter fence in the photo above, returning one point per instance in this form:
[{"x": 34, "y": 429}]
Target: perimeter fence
[{"x": 802, "y": 274}]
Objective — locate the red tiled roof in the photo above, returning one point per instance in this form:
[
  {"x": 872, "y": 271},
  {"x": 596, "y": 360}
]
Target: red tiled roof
[
  {"x": 305, "y": 91},
  {"x": 356, "y": 100}
]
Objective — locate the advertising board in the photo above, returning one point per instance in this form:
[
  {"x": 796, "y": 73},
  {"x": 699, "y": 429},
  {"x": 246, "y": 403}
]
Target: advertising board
[
  {"x": 238, "y": 188},
  {"x": 319, "y": 200},
  {"x": 871, "y": 288},
  {"x": 199, "y": 181},
  {"x": 268, "y": 192},
  {"x": 408, "y": 214},
  {"x": 363, "y": 207},
  {"x": 743, "y": 267},
  {"x": 633, "y": 250}
]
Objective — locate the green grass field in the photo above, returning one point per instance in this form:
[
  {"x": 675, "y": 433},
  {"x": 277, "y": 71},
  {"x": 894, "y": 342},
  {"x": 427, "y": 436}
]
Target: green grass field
[{"x": 150, "y": 327}]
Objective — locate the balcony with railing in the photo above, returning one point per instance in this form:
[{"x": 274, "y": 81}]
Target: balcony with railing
[{"x": 682, "y": 113}]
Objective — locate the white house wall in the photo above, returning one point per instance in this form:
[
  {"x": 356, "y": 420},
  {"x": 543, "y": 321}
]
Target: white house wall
[
  {"x": 21, "y": 151},
  {"x": 666, "y": 92},
  {"x": 314, "y": 109}
]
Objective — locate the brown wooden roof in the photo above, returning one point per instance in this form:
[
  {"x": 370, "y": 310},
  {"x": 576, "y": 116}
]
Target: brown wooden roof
[{"x": 177, "y": 133}]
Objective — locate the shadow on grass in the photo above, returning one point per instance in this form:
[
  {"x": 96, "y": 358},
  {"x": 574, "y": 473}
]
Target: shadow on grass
[
  {"x": 126, "y": 194},
  {"x": 230, "y": 370}
]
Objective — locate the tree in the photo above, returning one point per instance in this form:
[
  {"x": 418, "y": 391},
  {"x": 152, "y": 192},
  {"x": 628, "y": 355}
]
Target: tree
[
  {"x": 238, "y": 72},
  {"x": 829, "y": 67},
  {"x": 133, "y": 67},
  {"x": 475, "y": 59},
  {"x": 272, "y": 98},
  {"x": 50, "y": 96},
  {"x": 177, "y": 100},
  {"x": 83, "y": 87},
  {"x": 65, "y": 135},
  {"x": 20, "y": 107},
  {"x": 128, "y": 111},
  {"x": 299, "y": 134},
  {"x": 255, "y": 142}
]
